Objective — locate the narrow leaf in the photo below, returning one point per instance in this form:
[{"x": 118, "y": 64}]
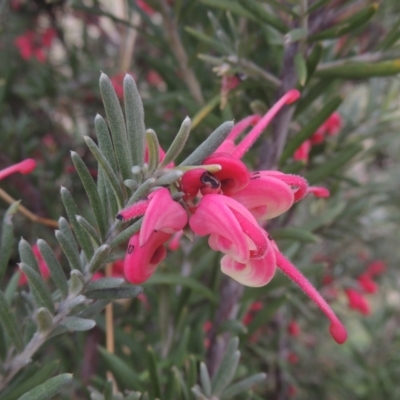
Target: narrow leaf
[
  {"x": 89, "y": 229},
  {"x": 313, "y": 60},
  {"x": 205, "y": 380},
  {"x": 49, "y": 389},
  {"x": 91, "y": 191},
  {"x": 44, "y": 319},
  {"x": 98, "y": 257},
  {"x": 112, "y": 178},
  {"x": 7, "y": 237},
  {"x": 78, "y": 324},
  {"x": 93, "y": 309},
  {"x": 178, "y": 143},
  {"x": 126, "y": 234},
  {"x": 228, "y": 371},
  {"x": 153, "y": 148},
  {"x": 243, "y": 386},
  {"x": 169, "y": 178},
  {"x": 105, "y": 283},
  {"x": 66, "y": 230},
  {"x": 126, "y": 292},
  {"x": 27, "y": 256},
  {"x": 41, "y": 293},
  {"x": 209, "y": 145},
  {"x": 154, "y": 378},
  {"x": 77, "y": 282},
  {"x": 9, "y": 323},
  {"x": 104, "y": 141},
  {"x": 293, "y": 233},
  {"x": 142, "y": 191},
  {"x": 117, "y": 126},
  {"x": 134, "y": 114},
  {"x": 301, "y": 69},
  {"x": 72, "y": 210},
  {"x": 69, "y": 251},
  {"x": 56, "y": 271}
]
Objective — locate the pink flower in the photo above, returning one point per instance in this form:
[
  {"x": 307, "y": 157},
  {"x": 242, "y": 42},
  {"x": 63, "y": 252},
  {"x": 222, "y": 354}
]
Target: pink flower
[
  {"x": 153, "y": 78},
  {"x": 293, "y": 358},
  {"x": 376, "y": 268},
  {"x": 145, "y": 7},
  {"x": 31, "y": 44},
  {"x": 301, "y": 154},
  {"x": 367, "y": 284},
  {"x": 162, "y": 218},
  {"x": 319, "y": 191},
  {"x": 357, "y": 301},
  {"x": 293, "y": 329},
  {"x": 118, "y": 83},
  {"x": 43, "y": 268},
  {"x": 24, "y": 167},
  {"x": 254, "y": 308}
]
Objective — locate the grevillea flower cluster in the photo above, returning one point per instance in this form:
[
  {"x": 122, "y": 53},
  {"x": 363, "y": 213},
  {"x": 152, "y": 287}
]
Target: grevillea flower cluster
[{"x": 226, "y": 202}]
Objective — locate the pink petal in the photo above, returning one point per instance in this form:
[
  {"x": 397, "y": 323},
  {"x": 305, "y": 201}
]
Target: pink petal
[
  {"x": 162, "y": 214},
  {"x": 141, "y": 261},
  {"x": 265, "y": 196},
  {"x": 319, "y": 191},
  {"x": 295, "y": 181},
  {"x": 254, "y": 273},
  {"x": 214, "y": 217},
  {"x": 234, "y": 174},
  {"x": 198, "y": 179},
  {"x": 133, "y": 211},
  {"x": 337, "y": 330},
  {"x": 301, "y": 154}
]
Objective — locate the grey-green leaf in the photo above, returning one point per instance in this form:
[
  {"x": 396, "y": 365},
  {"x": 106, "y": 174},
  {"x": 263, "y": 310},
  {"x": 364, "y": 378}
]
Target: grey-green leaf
[
  {"x": 105, "y": 283},
  {"x": 205, "y": 380},
  {"x": 69, "y": 251},
  {"x": 9, "y": 323},
  {"x": 134, "y": 114},
  {"x": 41, "y": 293},
  {"x": 126, "y": 292},
  {"x": 27, "y": 256},
  {"x": 91, "y": 191},
  {"x": 117, "y": 126},
  {"x": 56, "y": 271},
  {"x": 89, "y": 229},
  {"x": 7, "y": 237},
  {"x": 243, "y": 386},
  {"x": 209, "y": 145},
  {"x": 154, "y": 150},
  {"x": 44, "y": 319},
  {"x": 72, "y": 211},
  {"x": 98, "y": 257},
  {"x": 49, "y": 389},
  {"x": 78, "y": 324}
]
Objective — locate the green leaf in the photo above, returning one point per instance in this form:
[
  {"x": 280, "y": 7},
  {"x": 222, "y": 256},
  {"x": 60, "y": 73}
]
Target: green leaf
[
  {"x": 182, "y": 350},
  {"x": 153, "y": 373},
  {"x": 168, "y": 178},
  {"x": 89, "y": 229},
  {"x": 93, "y": 309},
  {"x": 49, "y": 389},
  {"x": 44, "y": 319},
  {"x": 105, "y": 283},
  {"x": 27, "y": 256},
  {"x": 209, "y": 145},
  {"x": 134, "y": 113},
  {"x": 259, "y": 13},
  {"x": 142, "y": 191},
  {"x": 334, "y": 164},
  {"x": 40, "y": 292},
  {"x": 180, "y": 383},
  {"x": 205, "y": 380},
  {"x": 313, "y": 60},
  {"x": 295, "y": 35},
  {"x": 125, "y": 292},
  {"x": 205, "y": 39},
  {"x": 229, "y": 5},
  {"x": 359, "y": 70},
  {"x": 348, "y": 25},
  {"x": 7, "y": 237},
  {"x": 117, "y": 126},
  {"x": 66, "y": 230},
  {"x": 9, "y": 323},
  {"x": 91, "y": 191},
  {"x": 126, "y": 234},
  {"x": 98, "y": 258},
  {"x": 110, "y": 174},
  {"x": 177, "y": 279},
  {"x": 122, "y": 371},
  {"x": 301, "y": 68},
  {"x": 77, "y": 282},
  {"x": 243, "y": 386},
  {"x": 12, "y": 287},
  {"x": 69, "y": 251},
  {"x": 104, "y": 141},
  {"x": 72, "y": 211},
  {"x": 78, "y": 324},
  {"x": 154, "y": 150},
  {"x": 226, "y": 372},
  {"x": 308, "y": 130},
  {"x": 178, "y": 143},
  {"x": 293, "y": 233},
  {"x": 56, "y": 271}
]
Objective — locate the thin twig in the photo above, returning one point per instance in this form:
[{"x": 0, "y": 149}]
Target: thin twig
[
  {"x": 29, "y": 214},
  {"x": 171, "y": 30}
]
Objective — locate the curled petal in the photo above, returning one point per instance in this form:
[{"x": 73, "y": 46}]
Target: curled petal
[
  {"x": 265, "y": 196},
  {"x": 233, "y": 175},
  {"x": 24, "y": 167},
  {"x": 256, "y": 272},
  {"x": 295, "y": 181},
  {"x": 162, "y": 214},
  {"x": 336, "y": 328},
  {"x": 141, "y": 261},
  {"x": 214, "y": 217}
]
